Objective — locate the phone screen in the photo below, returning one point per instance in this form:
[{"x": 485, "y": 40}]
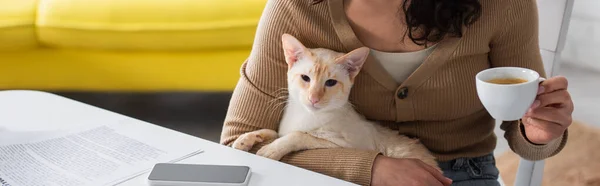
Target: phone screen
[{"x": 199, "y": 173}]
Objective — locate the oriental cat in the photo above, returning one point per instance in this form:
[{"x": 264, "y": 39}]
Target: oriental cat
[{"x": 318, "y": 113}]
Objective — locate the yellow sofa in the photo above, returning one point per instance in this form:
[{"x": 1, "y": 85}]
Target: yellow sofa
[{"x": 132, "y": 45}]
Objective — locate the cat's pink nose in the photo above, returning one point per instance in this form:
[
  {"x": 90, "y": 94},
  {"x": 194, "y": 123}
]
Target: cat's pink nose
[{"x": 314, "y": 100}]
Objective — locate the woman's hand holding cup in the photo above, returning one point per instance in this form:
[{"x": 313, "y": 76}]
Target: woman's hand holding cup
[
  {"x": 513, "y": 93},
  {"x": 550, "y": 114}
]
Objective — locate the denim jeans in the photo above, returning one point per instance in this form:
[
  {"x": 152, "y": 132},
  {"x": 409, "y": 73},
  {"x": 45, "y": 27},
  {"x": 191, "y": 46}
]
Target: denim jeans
[{"x": 472, "y": 171}]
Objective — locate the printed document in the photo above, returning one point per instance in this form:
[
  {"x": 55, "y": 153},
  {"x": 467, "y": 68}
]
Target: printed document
[{"x": 99, "y": 155}]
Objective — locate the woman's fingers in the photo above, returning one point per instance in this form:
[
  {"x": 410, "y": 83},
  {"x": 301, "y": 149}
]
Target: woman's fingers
[
  {"x": 553, "y": 115},
  {"x": 540, "y": 131},
  {"x": 435, "y": 173},
  {"x": 558, "y": 99},
  {"x": 555, "y": 84}
]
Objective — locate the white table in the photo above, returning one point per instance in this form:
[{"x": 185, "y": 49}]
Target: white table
[{"x": 39, "y": 111}]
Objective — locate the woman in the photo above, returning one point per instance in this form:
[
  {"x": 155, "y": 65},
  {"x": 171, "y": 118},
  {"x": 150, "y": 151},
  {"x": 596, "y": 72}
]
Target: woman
[{"x": 419, "y": 80}]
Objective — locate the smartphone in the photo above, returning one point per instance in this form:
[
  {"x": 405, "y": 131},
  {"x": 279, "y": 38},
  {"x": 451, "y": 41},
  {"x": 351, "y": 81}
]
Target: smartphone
[{"x": 173, "y": 174}]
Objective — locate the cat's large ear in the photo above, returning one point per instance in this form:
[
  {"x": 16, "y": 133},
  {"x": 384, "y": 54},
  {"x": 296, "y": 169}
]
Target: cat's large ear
[
  {"x": 293, "y": 49},
  {"x": 354, "y": 60}
]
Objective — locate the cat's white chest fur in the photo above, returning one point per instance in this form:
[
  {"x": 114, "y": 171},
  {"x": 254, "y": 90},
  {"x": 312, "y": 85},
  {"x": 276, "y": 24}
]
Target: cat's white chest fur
[
  {"x": 342, "y": 126},
  {"x": 297, "y": 118}
]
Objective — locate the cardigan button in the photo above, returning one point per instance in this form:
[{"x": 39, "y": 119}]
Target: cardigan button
[{"x": 402, "y": 93}]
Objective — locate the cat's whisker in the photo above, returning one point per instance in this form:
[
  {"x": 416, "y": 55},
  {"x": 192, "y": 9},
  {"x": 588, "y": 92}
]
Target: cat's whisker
[
  {"x": 280, "y": 91},
  {"x": 284, "y": 97},
  {"x": 279, "y": 98},
  {"x": 273, "y": 113},
  {"x": 279, "y": 104},
  {"x": 271, "y": 102},
  {"x": 276, "y": 106}
]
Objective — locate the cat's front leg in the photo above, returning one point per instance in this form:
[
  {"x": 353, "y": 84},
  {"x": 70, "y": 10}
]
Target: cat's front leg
[
  {"x": 246, "y": 141},
  {"x": 292, "y": 142}
]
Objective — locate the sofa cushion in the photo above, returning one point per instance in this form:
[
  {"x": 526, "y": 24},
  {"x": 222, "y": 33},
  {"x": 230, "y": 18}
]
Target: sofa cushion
[
  {"x": 108, "y": 71},
  {"x": 148, "y": 24},
  {"x": 17, "y": 19}
]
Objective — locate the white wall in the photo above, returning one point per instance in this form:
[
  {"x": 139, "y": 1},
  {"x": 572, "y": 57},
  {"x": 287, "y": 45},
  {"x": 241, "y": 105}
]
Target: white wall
[{"x": 582, "y": 46}]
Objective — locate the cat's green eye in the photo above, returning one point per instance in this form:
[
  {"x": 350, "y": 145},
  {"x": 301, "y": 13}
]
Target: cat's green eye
[
  {"x": 330, "y": 82},
  {"x": 305, "y": 78}
]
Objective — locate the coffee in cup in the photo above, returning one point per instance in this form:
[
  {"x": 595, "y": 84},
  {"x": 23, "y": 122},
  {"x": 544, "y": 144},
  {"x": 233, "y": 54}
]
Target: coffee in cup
[
  {"x": 507, "y": 81},
  {"x": 507, "y": 92}
]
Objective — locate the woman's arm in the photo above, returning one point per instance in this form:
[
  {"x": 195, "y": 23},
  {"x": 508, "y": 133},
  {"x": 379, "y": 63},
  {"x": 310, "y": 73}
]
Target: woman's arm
[
  {"x": 517, "y": 44},
  {"x": 256, "y": 102}
]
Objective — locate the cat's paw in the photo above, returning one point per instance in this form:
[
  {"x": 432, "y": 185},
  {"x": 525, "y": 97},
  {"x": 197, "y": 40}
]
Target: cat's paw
[
  {"x": 272, "y": 151},
  {"x": 246, "y": 141}
]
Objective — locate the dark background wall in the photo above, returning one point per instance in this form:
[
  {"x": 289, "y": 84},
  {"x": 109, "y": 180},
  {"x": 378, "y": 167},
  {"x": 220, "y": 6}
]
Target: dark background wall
[{"x": 198, "y": 114}]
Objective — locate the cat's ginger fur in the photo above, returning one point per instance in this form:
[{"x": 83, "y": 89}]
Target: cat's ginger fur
[{"x": 320, "y": 116}]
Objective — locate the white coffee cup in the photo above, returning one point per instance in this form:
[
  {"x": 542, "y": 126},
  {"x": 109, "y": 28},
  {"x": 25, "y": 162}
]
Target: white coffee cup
[{"x": 507, "y": 102}]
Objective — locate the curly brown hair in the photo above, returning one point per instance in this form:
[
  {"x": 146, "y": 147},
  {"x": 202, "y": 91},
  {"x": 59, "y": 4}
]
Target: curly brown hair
[{"x": 430, "y": 20}]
